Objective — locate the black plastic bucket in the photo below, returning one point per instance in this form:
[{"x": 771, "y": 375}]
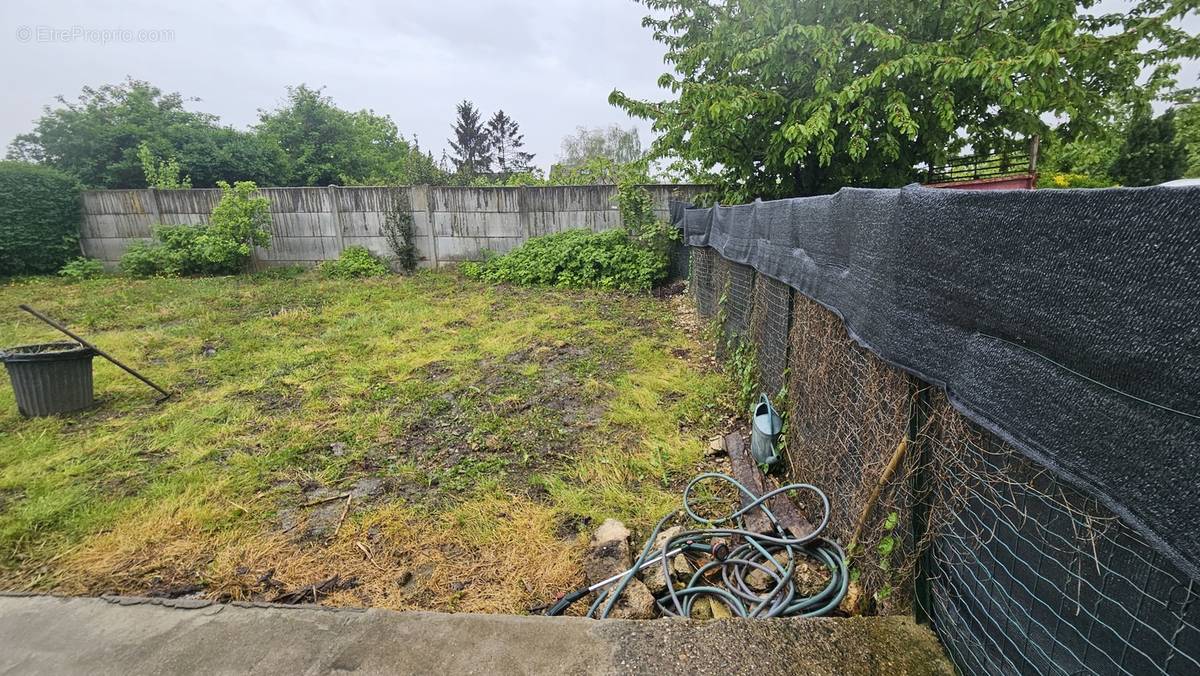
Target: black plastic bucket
[{"x": 50, "y": 378}]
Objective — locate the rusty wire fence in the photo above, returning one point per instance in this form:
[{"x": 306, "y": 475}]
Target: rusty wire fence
[
  {"x": 849, "y": 417},
  {"x": 1015, "y": 570},
  {"x": 770, "y": 313}
]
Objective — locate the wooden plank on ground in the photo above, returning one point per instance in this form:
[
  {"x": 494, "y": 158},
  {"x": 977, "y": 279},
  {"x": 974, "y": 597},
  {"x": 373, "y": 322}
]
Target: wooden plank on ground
[
  {"x": 747, "y": 473},
  {"x": 787, "y": 512}
]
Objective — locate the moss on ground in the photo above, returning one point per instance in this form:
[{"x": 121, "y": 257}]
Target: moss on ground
[{"x": 477, "y": 430}]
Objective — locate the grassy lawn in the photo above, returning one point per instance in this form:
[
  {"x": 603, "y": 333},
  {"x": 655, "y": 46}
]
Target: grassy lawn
[{"x": 479, "y": 432}]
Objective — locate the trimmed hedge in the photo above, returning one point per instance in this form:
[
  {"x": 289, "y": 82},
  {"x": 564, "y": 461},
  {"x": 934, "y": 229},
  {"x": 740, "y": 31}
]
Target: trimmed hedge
[{"x": 39, "y": 219}]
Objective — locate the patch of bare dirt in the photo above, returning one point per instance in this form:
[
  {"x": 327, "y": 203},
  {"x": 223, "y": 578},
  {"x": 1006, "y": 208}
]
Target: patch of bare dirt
[
  {"x": 523, "y": 422},
  {"x": 669, "y": 289}
]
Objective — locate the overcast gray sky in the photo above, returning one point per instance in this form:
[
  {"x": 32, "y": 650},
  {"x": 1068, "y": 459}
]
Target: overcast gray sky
[{"x": 550, "y": 64}]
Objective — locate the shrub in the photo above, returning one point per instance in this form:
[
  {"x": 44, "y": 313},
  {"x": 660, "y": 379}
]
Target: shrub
[
  {"x": 238, "y": 223},
  {"x": 144, "y": 259},
  {"x": 176, "y": 250},
  {"x": 355, "y": 261},
  {"x": 39, "y": 219},
  {"x": 576, "y": 258},
  {"x": 162, "y": 174},
  {"x": 82, "y": 268},
  {"x": 637, "y": 212}
]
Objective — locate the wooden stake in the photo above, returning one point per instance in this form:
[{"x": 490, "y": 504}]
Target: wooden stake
[{"x": 892, "y": 466}]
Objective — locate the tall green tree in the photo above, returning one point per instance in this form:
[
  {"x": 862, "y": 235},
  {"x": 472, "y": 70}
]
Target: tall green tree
[
  {"x": 324, "y": 144},
  {"x": 795, "y": 97},
  {"x": 317, "y": 137},
  {"x": 507, "y": 143},
  {"x": 218, "y": 154},
  {"x": 388, "y": 158},
  {"x": 619, "y": 145},
  {"x": 1187, "y": 130},
  {"x": 1151, "y": 154},
  {"x": 595, "y": 156},
  {"x": 472, "y": 148},
  {"x": 96, "y": 139}
]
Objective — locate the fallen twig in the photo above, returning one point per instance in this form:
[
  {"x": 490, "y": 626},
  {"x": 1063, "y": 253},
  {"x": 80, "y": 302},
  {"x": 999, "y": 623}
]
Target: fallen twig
[
  {"x": 869, "y": 507},
  {"x": 316, "y": 590},
  {"x": 322, "y": 501},
  {"x": 342, "y": 518},
  {"x": 367, "y": 554}
]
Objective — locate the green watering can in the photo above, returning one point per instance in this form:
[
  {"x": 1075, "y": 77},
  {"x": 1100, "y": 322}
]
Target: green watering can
[{"x": 765, "y": 426}]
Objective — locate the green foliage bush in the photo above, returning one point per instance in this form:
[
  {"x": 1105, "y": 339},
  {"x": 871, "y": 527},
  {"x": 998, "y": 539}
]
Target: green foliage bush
[
  {"x": 82, "y": 268},
  {"x": 1151, "y": 153},
  {"x": 163, "y": 174},
  {"x": 637, "y": 212},
  {"x": 355, "y": 261},
  {"x": 576, "y": 258},
  {"x": 175, "y": 251},
  {"x": 39, "y": 219},
  {"x": 145, "y": 259},
  {"x": 238, "y": 223}
]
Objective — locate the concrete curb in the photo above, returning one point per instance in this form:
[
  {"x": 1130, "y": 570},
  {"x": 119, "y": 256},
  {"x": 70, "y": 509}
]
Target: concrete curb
[{"x": 121, "y": 635}]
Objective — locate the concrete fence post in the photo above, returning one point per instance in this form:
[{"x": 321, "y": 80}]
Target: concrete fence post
[
  {"x": 338, "y": 228},
  {"x": 155, "y": 209},
  {"x": 523, "y": 211},
  {"x": 427, "y": 191}
]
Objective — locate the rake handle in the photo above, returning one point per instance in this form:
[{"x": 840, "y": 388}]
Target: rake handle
[{"x": 98, "y": 351}]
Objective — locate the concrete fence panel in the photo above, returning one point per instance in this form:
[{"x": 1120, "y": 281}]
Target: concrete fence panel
[{"x": 310, "y": 225}]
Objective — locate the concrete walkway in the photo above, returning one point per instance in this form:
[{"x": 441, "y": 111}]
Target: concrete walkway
[{"x": 121, "y": 635}]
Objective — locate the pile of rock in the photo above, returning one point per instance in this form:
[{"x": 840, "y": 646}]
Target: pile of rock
[{"x": 610, "y": 554}]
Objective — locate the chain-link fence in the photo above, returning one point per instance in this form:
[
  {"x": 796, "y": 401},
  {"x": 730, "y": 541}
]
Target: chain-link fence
[
  {"x": 769, "y": 315},
  {"x": 848, "y": 418},
  {"x": 1016, "y": 571},
  {"x": 703, "y": 281},
  {"x": 1023, "y": 574}
]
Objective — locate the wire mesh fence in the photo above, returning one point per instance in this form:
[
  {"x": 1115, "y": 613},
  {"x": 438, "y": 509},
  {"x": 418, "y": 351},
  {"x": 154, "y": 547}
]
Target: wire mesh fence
[
  {"x": 770, "y": 312},
  {"x": 679, "y": 265},
  {"x": 1027, "y": 575},
  {"x": 703, "y": 282},
  {"x": 848, "y": 416},
  {"x": 735, "y": 303},
  {"x": 1016, "y": 571}
]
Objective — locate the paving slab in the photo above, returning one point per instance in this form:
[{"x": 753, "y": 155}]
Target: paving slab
[{"x": 122, "y": 635}]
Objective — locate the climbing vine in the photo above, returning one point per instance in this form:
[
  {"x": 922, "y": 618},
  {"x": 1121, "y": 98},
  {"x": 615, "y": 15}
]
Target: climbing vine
[{"x": 398, "y": 230}]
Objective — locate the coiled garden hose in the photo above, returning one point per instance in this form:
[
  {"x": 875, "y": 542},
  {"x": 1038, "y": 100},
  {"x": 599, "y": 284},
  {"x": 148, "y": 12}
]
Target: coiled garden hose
[{"x": 756, "y": 552}]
